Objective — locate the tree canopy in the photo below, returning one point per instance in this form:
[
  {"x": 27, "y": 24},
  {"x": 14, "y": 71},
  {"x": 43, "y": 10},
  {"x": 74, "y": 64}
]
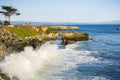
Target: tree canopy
[{"x": 8, "y": 12}]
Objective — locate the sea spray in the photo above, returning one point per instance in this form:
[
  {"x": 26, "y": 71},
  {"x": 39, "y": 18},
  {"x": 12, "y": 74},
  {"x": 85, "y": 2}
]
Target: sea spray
[{"x": 45, "y": 63}]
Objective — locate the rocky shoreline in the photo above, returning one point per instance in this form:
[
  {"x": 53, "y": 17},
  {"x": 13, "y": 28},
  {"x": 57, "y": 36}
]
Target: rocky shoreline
[{"x": 12, "y": 42}]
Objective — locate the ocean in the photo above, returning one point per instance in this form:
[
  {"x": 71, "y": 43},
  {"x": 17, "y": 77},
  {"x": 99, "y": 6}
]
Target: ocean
[{"x": 96, "y": 59}]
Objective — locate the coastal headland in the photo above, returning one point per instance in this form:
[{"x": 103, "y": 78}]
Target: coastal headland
[{"x": 15, "y": 38}]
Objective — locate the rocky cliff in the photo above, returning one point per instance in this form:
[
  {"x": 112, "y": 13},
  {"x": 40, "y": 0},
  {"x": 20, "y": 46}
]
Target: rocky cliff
[
  {"x": 14, "y": 39},
  {"x": 11, "y": 42},
  {"x": 1, "y": 50}
]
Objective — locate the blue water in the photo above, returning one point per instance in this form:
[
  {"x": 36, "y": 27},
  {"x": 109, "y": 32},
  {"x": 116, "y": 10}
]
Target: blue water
[{"x": 106, "y": 42}]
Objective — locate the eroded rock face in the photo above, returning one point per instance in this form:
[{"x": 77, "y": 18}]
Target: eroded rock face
[
  {"x": 34, "y": 42},
  {"x": 11, "y": 42},
  {"x": 38, "y": 40},
  {"x": 1, "y": 49},
  {"x": 4, "y": 76},
  {"x": 71, "y": 37}
]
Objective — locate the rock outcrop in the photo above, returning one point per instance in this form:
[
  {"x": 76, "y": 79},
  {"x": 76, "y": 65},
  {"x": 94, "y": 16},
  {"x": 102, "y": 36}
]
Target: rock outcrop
[
  {"x": 13, "y": 43},
  {"x": 50, "y": 36},
  {"x": 63, "y": 27},
  {"x": 1, "y": 51},
  {"x": 4, "y": 76},
  {"x": 118, "y": 28},
  {"x": 10, "y": 41},
  {"x": 38, "y": 40},
  {"x": 71, "y": 37},
  {"x": 33, "y": 42}
]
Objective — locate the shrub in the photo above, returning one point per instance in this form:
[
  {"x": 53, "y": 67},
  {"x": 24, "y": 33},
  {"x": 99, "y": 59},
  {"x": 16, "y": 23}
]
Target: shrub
[
  {"x": 1, "y": 22},
  {"x": 6, "y": 23},
  {"x": 51, "y": 31}
]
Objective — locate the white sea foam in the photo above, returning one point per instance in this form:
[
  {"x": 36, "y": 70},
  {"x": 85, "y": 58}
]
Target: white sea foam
[{"x": 44, "y": 62}]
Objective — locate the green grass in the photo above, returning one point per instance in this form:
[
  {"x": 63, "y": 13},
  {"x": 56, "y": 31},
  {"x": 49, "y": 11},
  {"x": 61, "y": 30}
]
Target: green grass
[
  {"x": 22, "y": 31},
  {"x": 27, "y": 31},
  {"x": 51, "y": 31}
]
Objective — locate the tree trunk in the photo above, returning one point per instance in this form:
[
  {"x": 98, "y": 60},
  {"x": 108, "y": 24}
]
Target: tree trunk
[
  {"x": 6, "y": 18},
  {"x": 9, "y": 19}
]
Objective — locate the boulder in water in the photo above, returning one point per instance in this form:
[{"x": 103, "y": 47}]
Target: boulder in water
[
  {"x": 71, "y": 37},
  {"x": 118, "y": 28}
]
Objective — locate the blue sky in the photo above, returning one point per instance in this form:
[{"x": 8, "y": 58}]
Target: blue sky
[{"x": 81, "y": 11}]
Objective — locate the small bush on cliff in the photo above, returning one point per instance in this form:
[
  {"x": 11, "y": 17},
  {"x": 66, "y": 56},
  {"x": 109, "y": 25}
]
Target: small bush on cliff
[
  {"x": 51, "y": 31},
  {"x": 1, "y": 22},
  {"x": 6, "y": 23}
]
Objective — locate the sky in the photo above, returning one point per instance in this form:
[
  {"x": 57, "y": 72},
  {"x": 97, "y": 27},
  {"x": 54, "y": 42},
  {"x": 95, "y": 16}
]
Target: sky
[{"x": 80, "y": 11}]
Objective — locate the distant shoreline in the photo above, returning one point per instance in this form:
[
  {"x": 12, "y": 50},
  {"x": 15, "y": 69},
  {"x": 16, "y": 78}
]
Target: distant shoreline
[{"x": 60, "y": 23}]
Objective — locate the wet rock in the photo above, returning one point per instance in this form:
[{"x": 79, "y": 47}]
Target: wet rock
[
  {"x": 118, "y": 28},
  {"x": 13, "y": 43},
  {"x": 34, "y": 42},
  {"x": 38, "y": 40},
  {"x": 4, "y": 76},
  {"x": 71, "y": 37}
]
